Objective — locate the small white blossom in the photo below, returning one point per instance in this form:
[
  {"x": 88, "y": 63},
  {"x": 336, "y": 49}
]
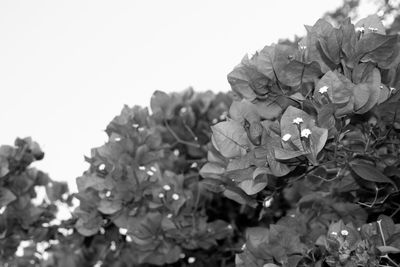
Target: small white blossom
[
  {"x": 161, "y": 195},
  {"x": 360, "y": 29},
  {"x": 323, "y": 89},
  {"x": 286, "y": 137},
  {"x": 381, "y": 87},
  {"x": 169, "y": 215},
  {"x": 142, "y": 168},
  {"x": 128, "y": 238},
  {"x": 150, "y": 173},
  {"x": 182, "y": 255},
  {"x": 175, "y": 196},
  {"x": 191, "y": 260},
  {"x": 153, "y": 169},
  {"x": 268, "y": 202},
  {"x": 229, "y": 227},
  {"x": 167, "y": 187},
  {"x": 123, "y": 231},
  {"x": 392, "y": 89},
  {"x": 333, "y": 233},
  {"x": 305, "y": 133},
  {"x": 344, "y": 232},
  {"x": 244, "y": 246},
  {"x": 298, "y": 120},
  {"x": 372, "y": 29}
]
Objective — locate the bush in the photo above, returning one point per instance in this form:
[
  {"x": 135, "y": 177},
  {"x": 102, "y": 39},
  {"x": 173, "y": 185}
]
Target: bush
[
  {"x": 313, "y": 135},
  {"x": 300, "y": 167}
]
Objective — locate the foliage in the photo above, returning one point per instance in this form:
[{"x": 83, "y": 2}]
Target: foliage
[
  {"x": 143, "y": 190},
  {"x": 315, "y": 129},
  {"x": 28, "y": 225},
  {"x": 299, "y": 166}
]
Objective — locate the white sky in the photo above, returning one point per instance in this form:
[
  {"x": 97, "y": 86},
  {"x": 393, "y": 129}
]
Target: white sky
[{"x": 68, "y": 67}]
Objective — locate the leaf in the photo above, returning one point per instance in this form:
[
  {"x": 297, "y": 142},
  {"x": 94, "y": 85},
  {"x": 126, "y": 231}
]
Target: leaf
[
  {"x": 90, "y": 181},
  {"x": 373, "y": 85},
  {"x": 214, "y": 185},
  {"x": 327, "y": 39},
  {"x": 245, "y": 80},
  {"x": 296, "y": 72},
  {"x": 348, "y": 38},
  {"x": 253, "y": 186},
  {"x": 263, "y": 61},
  {"x": 369, "y": 172},
  {"x": 6, "y": 197},
  {"x": 230, "y": 139},
  {"x": 239, "y": 196},
  {"x": 376, "y": 48},
  {"x": 244, "y": 110},
  {"x": 108, "y": 206},
  {"x": 283, "y": 154},
  {"x": 338, "y": 91},
  {"x": 212, "y": 170},
  {"x": 371, "y": 24}
]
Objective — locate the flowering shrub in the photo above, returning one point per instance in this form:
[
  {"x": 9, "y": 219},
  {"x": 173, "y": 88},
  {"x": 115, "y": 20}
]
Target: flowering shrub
[
  {"x": 301, "y": 168},
  {"x": 311, "y": 142},
  {"x": 142, "y": 189}
]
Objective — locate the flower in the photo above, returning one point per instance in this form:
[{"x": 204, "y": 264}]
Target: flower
[
  {"x": 286, "y": 137},
  {"x": 123, "y": 231},
  {"x": 305, "y": 133},
  {"x": 175, "y": 196},
  {"x": 360, "y": 29},
  {"x": 161, "y": 195},
  {"x": 298, "y": 120},
  {"x": 191, "y": 260},
  {"x": 344, "y": 232},
  {"x": 268, "y": 202},
  {"x": 333, "y": 233},
  {"x": 323, "y": 89},
  {"x": 167, "y": 187},
  {"x": 392, "y": 89}
]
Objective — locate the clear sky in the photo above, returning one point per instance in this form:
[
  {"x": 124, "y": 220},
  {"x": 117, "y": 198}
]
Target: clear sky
[{"x": 68, "y": 67}]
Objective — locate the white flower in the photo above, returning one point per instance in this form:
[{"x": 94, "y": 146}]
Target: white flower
[
  {"x": 372, "y": 29},
  {"x": 123, "y": 231},
  {"x": 344, "y": 232},
  {"x": 333, "y": 233},
  {"x": 302, "y": 47},
  {"x": 191, "y": 260},
  {"x": 286, "y": 137},
  {"x": 392, "y": 89},
  {"x": 169, "y": 215},
  {"x": 268, "y": 202},
  {"x": 142, "y": 168},
  {"x": 305, "y": 133},
  {"x": 298, "y": 120},
  {"x": 161, "y": 195},
  {"x": 229, "y": 227},
  {"x": 167, "y": 187},
  {"x": 323, "y": 89},
  {"x": 175, "y": 196},
  {"x": 360, "y": 29}
]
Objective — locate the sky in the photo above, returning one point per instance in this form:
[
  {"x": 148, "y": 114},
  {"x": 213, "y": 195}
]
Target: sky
[{"x": 68, "y": 67}]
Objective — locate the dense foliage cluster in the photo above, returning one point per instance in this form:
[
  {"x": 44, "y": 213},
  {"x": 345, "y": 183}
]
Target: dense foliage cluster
[
  {"x": 297, "y": 166},
  {"x": 316, "y": 130},
  {"x": 29, "y": 229}
]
